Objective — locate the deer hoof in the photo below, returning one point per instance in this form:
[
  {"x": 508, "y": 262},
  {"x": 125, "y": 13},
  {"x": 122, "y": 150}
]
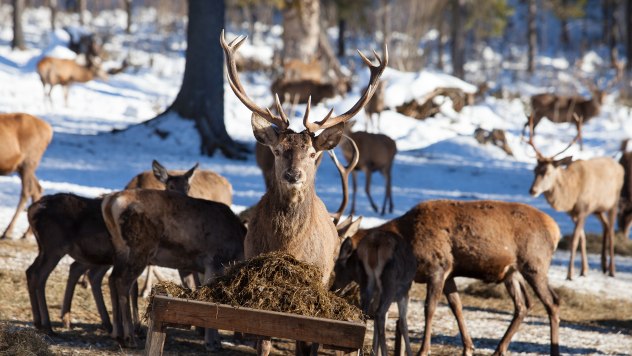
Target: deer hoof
[{"x": 66, "y": 320}]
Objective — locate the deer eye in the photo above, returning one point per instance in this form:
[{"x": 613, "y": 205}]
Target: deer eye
[
  {"x": 276, "y": 152},
  {"x": 312, "y": 155}
]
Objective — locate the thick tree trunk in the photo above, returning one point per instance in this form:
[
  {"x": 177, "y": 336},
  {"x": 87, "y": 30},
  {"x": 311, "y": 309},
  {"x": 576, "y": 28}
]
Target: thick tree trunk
[
  {"x": 128, "y": 11},
  {"x": 301, "y": 29},
  {"x": 532, "y": 36},
  {"x": 565, "y": 37},
  {"x": 441, "y": 31},
  {"x": 628, "y": 22},
  {"x": 458, "y": 39},
  {"x": 342, "y": 26},
  {"x": 81, "y": 9},
  {"x": 201, "y": 95},
  {"x": 18, "y": 33}
]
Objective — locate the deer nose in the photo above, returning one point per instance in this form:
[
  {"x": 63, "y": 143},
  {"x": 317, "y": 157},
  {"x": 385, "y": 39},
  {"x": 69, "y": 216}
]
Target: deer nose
[{"x": 292, "y": 175}]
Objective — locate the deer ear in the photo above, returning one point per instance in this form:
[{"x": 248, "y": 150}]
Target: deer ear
[
  {"x": 563, "y": 161},
  {"x": 346, "y": 249},
  {"x": 329, "y": 138},
  {"x": 189, "y": 174},
  {"x": 159, "y": 172},
  {"x": 264, "y": 132}
]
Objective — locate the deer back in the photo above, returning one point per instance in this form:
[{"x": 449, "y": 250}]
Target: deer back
[
  {"x": 205, "y": 184},
  {"x": 23, "y": 140},
  {"x": 376, "y": 150}
]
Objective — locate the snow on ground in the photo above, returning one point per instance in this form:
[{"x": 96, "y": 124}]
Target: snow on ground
[{"x": 438, "y": 158}]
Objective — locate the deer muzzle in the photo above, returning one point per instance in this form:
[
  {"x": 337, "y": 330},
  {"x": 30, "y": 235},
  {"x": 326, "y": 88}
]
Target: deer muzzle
[{"x": 293, "y": 176}]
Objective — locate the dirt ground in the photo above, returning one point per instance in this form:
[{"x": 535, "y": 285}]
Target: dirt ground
[{"x": 589, "y": 325}]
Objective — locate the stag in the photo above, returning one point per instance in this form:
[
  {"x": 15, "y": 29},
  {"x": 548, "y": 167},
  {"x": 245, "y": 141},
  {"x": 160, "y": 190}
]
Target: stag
[
  {"x": 23, "y": 140},
  {"x": 290, "y": 216},
  {"x": 384, "y": 266},
  {"x": 580, "y": 188},
  {"x": 488, "y": 240},
  {"x": 64, "y": 72},
  {"x": 377, "y": 152}
]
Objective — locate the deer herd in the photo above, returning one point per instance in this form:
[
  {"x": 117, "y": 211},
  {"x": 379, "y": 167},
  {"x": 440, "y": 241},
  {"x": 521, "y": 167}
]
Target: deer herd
[{"x": 183, "y": 220}]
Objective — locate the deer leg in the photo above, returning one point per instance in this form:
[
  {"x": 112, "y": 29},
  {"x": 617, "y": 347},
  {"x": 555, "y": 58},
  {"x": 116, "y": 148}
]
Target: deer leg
[
  {"x": 402, "y": 323},
  {"x": 36, "y": 194},
  {"x": 149, "y": 281},
  {"x": 37, "y": 275},
  {"x": 579, "y": 228},
  {"x": 386, "y": 173},
  {"x": 354, "y": 181},
  {"x": 135, "y": 315},
  {"x": 77, "y": 269},
  {"x": 454, "y": 300},
  {"x": 582, "y": 246},
  {"x": 612, "y": 216},
  {"x": 433, "y": 292},
  {"x": 212, "y": 341},
  {"x": 605, "y": 236},
  {"x": 95, "y": 278},
  {"x": 124, "y": 282},
  {"x": 367, "y": 187},
  {"x": 513, "y": 284},
  {"x": 538, "y": 280},
  {"x": 264, "y": 346},
  {"x": 25, "y": 193}
]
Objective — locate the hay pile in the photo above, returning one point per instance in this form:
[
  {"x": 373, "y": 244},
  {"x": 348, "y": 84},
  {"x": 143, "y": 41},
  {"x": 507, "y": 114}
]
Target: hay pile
[
  {"x": 21, "y": 342},
  {"x": 275, "y": 282}
]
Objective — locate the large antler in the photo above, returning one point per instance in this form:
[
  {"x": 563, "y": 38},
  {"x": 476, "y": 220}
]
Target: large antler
[
  {"x": 579, "y": 120},
  {"x": 376, "y": 72},
  {"x": 280, "y": 120},
  {"x": 344, "y": 176},
  {"x": 538, "y": 154}
]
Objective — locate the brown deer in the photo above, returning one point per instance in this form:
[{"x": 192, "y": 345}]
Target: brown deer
[
  {"x": 493, "y": 241},
  {"x": 303, "y": 90},
  {"x": 64, "y": 72},
  {"x": 375, "y": 106},
  {"x": 625, "y": 201},
  {"x": 167, "y": 229},
  {"x": 384, "y": 266},
  {"x": 290, "y": 216},
  {"x": 23, "y": 140},
  {"x": 377, "y": 152},
  {"x": 296, "y": 69},
  {"x": 580, "y": 188}
]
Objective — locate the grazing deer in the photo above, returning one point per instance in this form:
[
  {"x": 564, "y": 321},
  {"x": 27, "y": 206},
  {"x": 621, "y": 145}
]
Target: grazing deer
[
  {"x": 580, "y": 188},
  {"x": 625, "y": 201},
  {"x": 559, "y": 108},
  {"x": 488, "y": 240},
  {"x": 23, "y": 140},
  {"x": 496, "y": 137},
  {"x": 377, "y": 152},
  {"x": 296, "y": 69},
  {"x": 167, "y": 229},
  {"x": 375, "y": 106},
  {"x": 64, "y": 72},
  {"x": 290, "y": 217},
  {"x": 384, "y": 266},
  {"x": 303, "y": 90}
]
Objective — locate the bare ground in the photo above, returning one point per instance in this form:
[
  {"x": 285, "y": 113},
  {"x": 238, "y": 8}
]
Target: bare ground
[{"x": 591, "y": 325}]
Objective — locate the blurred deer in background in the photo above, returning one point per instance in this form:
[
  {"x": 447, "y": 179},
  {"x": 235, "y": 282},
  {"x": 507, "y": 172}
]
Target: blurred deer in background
[
  {"x": 64, "y": 72},
  {"x": 375, "y": 106},
  {"x": 580, "y": 188},
  {"x": 23, "y": 140},
  {"x": 377, "y": 152},
  {"x": 290, "y": 216},
  {"x": 625, "y": 201}
]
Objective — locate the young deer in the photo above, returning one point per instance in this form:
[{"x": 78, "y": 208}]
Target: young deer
[
  {"x": 580, "y": 188},
  {"x": 384, "y": 266},
  {"x": 377, "y": 153},
  {"x": 492, "y": 241},
  {"x": 23, "y": 140},
  {"x": 64, "y": 72},
  {"x": 290, "y": 216}
]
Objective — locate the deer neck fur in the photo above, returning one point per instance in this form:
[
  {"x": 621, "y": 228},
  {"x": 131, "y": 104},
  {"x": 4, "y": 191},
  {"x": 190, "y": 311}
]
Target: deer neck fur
[{"x": 563, "y": 194}]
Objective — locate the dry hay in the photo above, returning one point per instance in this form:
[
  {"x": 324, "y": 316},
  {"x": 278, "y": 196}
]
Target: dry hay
[
  {"x": 275, "y": 282},
  {"x": 22, "y": 342}
]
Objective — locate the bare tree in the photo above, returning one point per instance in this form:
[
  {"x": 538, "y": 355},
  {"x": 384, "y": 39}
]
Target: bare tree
[
  {"x": 128, "y": 10},
  {"x": 18, "y": 33},
  {"x": 201, "y": 95},
  {"x": 531, "y": 35},
  {"x": 52, "y": 5},
  {"x": 301, "y": 29},
  {"x": 458, "y": 39}
]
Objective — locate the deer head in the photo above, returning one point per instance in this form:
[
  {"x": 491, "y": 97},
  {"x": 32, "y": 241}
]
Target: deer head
[
  {"x": 296, "y": 152},
  {"x": 177, "y": 183},
  {"x": 548, "y": 168}
]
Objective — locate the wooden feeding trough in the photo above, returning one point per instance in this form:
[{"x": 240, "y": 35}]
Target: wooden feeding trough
[{"x": 167, "y": 311}]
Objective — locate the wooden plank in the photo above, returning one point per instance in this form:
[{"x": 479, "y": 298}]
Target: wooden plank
[
  {"x": 155, "y": 338},
  {"x": 342, "y": 334}
]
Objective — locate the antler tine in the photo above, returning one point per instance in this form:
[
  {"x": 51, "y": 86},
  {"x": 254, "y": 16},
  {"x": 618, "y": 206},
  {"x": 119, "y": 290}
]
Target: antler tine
[
  {"x": 579, "y": 120},
  {"x": 235, "y": 84},
  {"x": 344, "y": 176},
  {"x": 376, "y": 72},
  {"x": 538, "y": 154}
]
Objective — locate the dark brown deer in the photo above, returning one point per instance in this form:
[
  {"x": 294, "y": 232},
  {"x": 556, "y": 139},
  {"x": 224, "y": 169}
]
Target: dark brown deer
[
  {"x": 492, "y": 241},
  {"x": 625, "y": 201},
  {"x": 384, "y": 266},
  {"x": 290, "y": 216},
  {"x": 580, "y": 188},
  {"x": 23, "y": 140},
  {"x": 377, "y": 153},
  {"x": 64, "y": 72}
]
